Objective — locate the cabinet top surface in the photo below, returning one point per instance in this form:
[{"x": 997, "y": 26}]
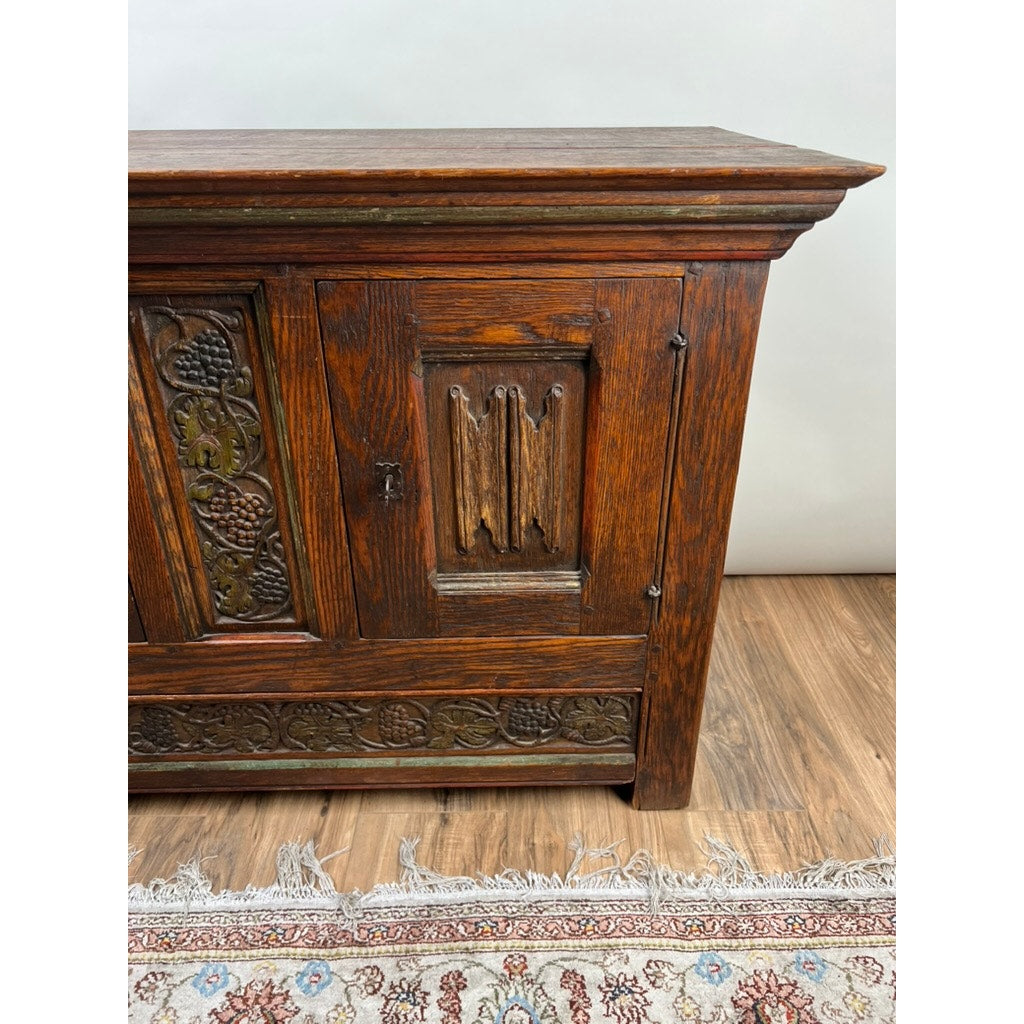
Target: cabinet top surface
[{"x": 578, "y": 158}]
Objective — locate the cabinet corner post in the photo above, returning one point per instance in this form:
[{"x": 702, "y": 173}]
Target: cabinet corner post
[{"x": 720, "y": 315}]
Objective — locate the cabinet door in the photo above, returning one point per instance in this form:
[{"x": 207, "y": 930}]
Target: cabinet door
[{"x": 502, "y": 448}]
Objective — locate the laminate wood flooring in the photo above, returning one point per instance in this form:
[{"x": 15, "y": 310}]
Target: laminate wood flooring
[{"x": 796, "y": 761}]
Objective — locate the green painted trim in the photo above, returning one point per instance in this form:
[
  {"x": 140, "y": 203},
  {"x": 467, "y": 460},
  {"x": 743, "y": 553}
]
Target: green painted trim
[
  {"x": 468, "y": 761},
  {"x": 356, "y": 216},
  {"x": 458, "y": 761}
]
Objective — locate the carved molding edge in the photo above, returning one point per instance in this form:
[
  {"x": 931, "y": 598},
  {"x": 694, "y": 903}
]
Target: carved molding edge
[
  {"x": 382, "y": 724},
  {"x": 140, "y": 215}
]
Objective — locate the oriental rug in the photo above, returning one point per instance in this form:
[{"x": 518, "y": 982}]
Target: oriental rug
[{"x": 626, "y": 943}]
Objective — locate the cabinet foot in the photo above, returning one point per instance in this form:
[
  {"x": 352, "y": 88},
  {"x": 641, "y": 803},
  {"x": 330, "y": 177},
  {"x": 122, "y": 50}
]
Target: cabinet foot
[{"x": 650, "y": 792}]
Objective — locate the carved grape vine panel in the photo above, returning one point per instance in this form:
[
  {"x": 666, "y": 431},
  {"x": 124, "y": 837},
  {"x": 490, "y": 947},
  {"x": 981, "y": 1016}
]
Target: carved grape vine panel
[
  {"x": 203, "y": 362},
  {"x": 472, "y": 723}
]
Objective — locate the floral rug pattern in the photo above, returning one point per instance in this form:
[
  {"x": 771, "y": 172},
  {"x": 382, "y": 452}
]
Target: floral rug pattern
[
  {"x": 628, "y": 943},
  {"x": 575, "y": 958}
]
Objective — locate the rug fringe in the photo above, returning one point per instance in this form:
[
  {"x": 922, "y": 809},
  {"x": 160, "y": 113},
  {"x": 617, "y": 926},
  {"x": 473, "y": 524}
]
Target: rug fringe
[{"x": 303, "y": 883}]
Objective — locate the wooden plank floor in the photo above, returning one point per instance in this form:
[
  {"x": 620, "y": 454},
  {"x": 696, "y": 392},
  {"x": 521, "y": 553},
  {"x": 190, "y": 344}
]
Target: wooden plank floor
[{"x": 796, "y": 761}]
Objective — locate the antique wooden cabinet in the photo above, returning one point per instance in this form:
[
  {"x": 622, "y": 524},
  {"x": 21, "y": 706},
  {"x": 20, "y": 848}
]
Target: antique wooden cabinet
[{"x": 433, "y": 442}]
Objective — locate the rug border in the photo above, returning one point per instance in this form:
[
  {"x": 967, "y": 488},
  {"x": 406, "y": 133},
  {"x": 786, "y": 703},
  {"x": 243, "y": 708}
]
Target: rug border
[{"x": 303, "y": 884}]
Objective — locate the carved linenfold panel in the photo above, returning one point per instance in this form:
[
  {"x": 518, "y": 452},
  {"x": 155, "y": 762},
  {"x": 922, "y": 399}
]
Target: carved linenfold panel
[
  {"x": 537, "y": 468},
  {"x": 202, "y": 359},
  {"x": 383, "y": 724},
  {"x": 508, "y": 471},
  {"x": 507, "y": 443},
  {"x": 480, "y": 466}
]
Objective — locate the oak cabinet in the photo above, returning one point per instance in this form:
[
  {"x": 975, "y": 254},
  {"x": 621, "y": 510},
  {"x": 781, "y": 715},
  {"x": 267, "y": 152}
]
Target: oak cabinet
[{"x": 433, "y": 438}]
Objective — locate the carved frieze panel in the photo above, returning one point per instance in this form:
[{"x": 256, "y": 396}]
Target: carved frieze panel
[
  {"x": 383, "y": 724},
  {"x": 507, "y": 461},
  {"x": 201, "y": 351}
]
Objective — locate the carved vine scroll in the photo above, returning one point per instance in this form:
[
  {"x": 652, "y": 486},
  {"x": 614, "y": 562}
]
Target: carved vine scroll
[
  {"x": 383, "y": 724},
  {"x": 201, "y": 359}
]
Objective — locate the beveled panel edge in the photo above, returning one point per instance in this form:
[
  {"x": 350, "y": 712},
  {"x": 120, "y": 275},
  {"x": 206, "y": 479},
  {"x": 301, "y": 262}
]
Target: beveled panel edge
[{"x": 557, "y": 580}]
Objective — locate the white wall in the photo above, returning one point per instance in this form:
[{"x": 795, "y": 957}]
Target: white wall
[{"x": 817, "y": 480}]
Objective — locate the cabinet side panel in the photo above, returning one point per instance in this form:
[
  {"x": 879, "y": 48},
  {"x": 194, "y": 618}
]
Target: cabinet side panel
[
  {"x": 628, "y": 403},
  {"x": 721, "y": 311}
]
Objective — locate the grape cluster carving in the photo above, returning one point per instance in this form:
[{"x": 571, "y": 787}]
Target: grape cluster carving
[
  {"x": 269, "y": 584},
  {"x": 398, "y": 727},
  {"x": 156, "y": 727},
  {"x": 239, "y": 515},
  {"x": 206, "y": 360},
  {"x": 528, "y": 717}
]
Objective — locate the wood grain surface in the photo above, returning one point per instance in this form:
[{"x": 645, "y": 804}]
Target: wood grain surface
[
  {"x": 369, "y": 333},
  {"x": 136, "y": 630},
  {"x": 509, "y": 194},
  {"x": 720, "y": 315},
  {"x": 273, "y": 664},
  {"x": 196, "y": 244},
  {"x": 796, "y": 761},
  {"x": 296, "y": 356},
  {"x": 157, "y": 562},
  {"x": 221, "y": 160},
  {"x": 147, "y": 563}
]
